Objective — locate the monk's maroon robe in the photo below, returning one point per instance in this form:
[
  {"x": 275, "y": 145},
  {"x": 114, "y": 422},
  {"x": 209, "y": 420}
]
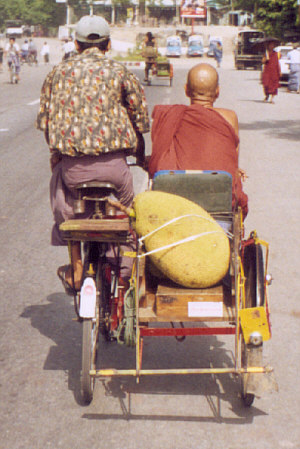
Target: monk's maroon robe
[
  {"x": 271, "y": 74},
  {"x": 195, "y": 138}
]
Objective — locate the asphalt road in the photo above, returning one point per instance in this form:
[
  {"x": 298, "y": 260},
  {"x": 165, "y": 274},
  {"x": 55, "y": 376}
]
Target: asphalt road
[{"x": 41, "y": 345}]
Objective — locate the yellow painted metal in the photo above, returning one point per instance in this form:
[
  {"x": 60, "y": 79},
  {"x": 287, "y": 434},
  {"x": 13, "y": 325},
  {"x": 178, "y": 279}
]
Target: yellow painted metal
[
  {"x": 138, "y": 355},
  {"x": 128, "y": 254},
  {"x": 69, "y": 251},
  {"x": 240, "y": 303},
  {"x": 254, "y": 319},
  {"x": 237, "y": 306},
  {"x": 161, "y": 372},
  {"x": 242, "y": 285}
]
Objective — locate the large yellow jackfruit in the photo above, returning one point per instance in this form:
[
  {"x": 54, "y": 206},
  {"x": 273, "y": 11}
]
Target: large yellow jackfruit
[{"x": 198, "y": 263}]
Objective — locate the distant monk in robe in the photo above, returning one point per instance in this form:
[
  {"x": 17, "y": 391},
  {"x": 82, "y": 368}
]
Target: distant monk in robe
[
  {"x": 198, "y": 136},
  {"x": 271, "y": 72}
]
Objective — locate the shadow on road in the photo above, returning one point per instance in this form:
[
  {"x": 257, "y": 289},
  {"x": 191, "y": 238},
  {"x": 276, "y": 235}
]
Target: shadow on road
[
  {"x": 216, "y": 392},
  {"x": 54, "y": 320},
  {"x": 278, "y": 129},
  {"x": 194, "y": 352}
]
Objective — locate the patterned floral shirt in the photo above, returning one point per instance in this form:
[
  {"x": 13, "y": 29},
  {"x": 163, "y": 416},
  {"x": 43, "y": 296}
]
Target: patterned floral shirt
[{"x": 90, "y": 105}]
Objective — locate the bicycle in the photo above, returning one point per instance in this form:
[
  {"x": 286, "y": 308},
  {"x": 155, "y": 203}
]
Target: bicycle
[
  {"x": 32, "y": 58},
  {"x": 13, "y": 72},
  {"x": 99, "y": 303}
]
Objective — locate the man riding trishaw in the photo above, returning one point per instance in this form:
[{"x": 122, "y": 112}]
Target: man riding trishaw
[{"x": 150, "y": 53}]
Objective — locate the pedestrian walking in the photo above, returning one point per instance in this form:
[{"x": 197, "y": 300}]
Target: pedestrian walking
[
  {"x": 68, "y": 48},
  {"x": 294, "y": 75},
  {"x": 45, "y": 53},
  {"x": 2, "y": 46},
  {"x": 271, "y": 72},
  {"x": 218, "y": 53}
]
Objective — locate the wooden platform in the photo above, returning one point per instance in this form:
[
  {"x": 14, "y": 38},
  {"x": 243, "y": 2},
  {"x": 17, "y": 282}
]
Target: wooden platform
[
  {"x": 171, "y": 303},
  {"x": 102, "y": 230}
]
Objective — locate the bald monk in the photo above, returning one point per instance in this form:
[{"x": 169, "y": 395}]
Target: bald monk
[{"x": 198, "y": 136}]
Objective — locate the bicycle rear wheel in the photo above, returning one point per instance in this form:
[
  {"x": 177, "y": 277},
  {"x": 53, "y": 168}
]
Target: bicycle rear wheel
[
  {"x": 254, "y": 297},
  {"x": 89, "y": 356},
  {"x": 90, "y": 338}
]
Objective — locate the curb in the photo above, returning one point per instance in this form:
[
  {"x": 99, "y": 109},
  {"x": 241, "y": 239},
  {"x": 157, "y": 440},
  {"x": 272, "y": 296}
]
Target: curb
[{"x": 133, "y": 63}]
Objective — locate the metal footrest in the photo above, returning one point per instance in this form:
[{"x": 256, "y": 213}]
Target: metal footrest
[{"x": 160, "y": 372}]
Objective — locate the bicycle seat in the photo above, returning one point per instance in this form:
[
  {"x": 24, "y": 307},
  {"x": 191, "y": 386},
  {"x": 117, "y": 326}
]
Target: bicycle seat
[
  {"x": 96, "y": 185},
  {"x": 95, "y": 191}
]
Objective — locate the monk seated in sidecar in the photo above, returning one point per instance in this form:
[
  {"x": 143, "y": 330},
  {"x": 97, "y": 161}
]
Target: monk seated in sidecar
[{"x": 198, "y": 136}]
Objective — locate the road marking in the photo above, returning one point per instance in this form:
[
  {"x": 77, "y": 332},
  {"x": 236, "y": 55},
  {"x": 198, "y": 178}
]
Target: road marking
[
  {"x": 3, "y": 130},
  {"x": 32, "y": 103}
]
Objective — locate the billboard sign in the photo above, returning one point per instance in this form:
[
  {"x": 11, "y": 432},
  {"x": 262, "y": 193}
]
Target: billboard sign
[{"x": 193, "y": 9}]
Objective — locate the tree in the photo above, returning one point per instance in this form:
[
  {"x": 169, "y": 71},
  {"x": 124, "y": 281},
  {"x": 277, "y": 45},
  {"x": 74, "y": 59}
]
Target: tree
[
  {"x": 245, "y": 5},
  {"x": 276, "y": 17},
  {"x": 46, "y": 13}
]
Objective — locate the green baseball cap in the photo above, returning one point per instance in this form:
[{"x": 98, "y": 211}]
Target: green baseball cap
[{"x": 88, "y": 25}]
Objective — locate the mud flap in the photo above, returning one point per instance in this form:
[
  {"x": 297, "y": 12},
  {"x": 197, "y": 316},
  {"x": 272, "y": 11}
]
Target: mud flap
[{"x": 257, "y": 383}]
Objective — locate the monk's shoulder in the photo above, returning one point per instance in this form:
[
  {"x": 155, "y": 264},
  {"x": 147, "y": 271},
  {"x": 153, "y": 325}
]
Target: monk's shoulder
[
  {"x": 230, "y": 116},
  {"x": 162, "y": 109}
]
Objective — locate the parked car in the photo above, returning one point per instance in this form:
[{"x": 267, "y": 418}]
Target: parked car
[
  {"x": 283, "y": 61},
  {"x": 195, "y": 45},
  {"x": 212, "y": 44},
  {"x": 245, "y": 53},
  {"x": 173, "y": 46}
]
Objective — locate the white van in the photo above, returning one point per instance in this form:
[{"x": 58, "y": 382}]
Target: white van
[{"x": 13, "y": 28}]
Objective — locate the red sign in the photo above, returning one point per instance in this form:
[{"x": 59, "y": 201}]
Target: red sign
[{"x": 193, "y": 9}]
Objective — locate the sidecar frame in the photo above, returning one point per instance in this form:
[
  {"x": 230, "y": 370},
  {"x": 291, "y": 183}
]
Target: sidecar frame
[{"x": 237, "y": 306}]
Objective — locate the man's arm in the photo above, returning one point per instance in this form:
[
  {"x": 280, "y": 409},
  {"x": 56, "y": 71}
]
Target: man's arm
[
  {"x": 43, "y": 117},
  {"x": 135, "y": 103},
  {"x": 43, "y": 114},
  {"x": 137, "y": 110},
  {"x": 140, "y": 150}
]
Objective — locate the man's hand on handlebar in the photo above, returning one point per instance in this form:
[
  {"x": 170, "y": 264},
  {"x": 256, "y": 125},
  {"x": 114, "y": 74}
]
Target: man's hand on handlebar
[
  {"x": 55, "y": 158},
  {"x": 146, "y": 163},
  {"x": 242, "y": 174},
  {"x": 140, "y": 150}
]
